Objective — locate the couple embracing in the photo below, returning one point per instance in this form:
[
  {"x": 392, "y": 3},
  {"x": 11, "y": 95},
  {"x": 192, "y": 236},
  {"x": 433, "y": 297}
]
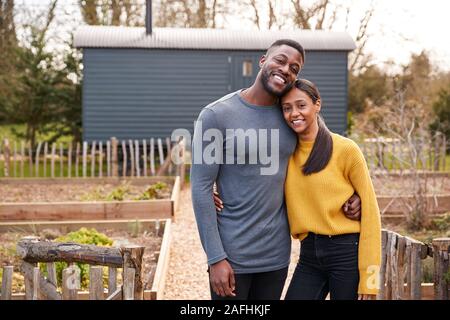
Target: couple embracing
[{"x": 319, "y": 191}]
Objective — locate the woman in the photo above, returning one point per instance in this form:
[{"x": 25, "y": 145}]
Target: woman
[{"x": 338, "y": 255}]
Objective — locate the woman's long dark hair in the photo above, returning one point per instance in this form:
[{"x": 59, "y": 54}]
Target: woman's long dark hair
[{"x": 323, "y": 145}]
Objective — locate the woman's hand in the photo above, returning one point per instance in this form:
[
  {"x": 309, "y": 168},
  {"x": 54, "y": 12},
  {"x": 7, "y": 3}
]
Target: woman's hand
[
  {"x": 217, "y": 201},
  {"x": 366, "y": 297}
]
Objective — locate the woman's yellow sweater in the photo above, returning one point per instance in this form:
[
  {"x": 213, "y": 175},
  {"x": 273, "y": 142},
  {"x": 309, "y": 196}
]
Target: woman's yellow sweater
[{"x": 314, "y": 203}]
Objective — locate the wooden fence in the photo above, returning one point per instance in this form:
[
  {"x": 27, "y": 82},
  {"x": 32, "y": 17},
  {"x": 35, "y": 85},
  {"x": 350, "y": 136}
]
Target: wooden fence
[
  {"x": 401, "y": 267},
  {"x": 388, "y": 154},
  {"x": 32, "y": 251},
  {"x": 110, "y": 158}
]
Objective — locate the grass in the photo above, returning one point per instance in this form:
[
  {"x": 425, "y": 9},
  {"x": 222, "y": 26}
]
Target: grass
[
  {"x": 47, "y": 169},
  {"x": 391, "y": 163},
  {"x": 6, "y": 131}
]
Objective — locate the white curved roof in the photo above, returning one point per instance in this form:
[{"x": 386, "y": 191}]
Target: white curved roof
[{"x": 209, "y": 39}]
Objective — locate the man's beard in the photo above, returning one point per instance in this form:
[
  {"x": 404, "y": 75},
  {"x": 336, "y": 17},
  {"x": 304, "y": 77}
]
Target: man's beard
[{"x": 265, "y": 75}]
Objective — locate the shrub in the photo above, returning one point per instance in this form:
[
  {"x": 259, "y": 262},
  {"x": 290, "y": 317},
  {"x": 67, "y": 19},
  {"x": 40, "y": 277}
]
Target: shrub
[
  {"x": 154, "y": 191},
  {"x": 82, "y": 236}
]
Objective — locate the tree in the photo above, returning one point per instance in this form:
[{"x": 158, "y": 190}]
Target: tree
[
  {"x": 8, "y": 44},
  {"x": 112, "y": 12},
  {"x": 416, "y": 78},
  {"x": 190, "y": 13},
  {"x": 67, "y": 111},
  {"x": 399, "y": 128},
  {"x": 369, "y": 88},
  {"x": 441, "y": 122},
  {"x": 36, "y": 88}
]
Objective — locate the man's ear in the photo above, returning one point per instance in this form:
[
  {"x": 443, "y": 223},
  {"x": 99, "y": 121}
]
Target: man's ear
[{"x": 262, "y": 60}]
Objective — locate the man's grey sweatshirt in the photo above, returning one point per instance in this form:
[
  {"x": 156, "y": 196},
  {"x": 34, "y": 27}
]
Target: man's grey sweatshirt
[{"x": 252, "y": 230}]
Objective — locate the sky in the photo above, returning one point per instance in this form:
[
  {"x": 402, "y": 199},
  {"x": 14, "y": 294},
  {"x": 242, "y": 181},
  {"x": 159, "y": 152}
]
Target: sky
[{"x": 397, "y": 29}]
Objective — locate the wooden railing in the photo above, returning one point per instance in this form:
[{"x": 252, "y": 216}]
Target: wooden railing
[
  {"x": 32, "y": 251},
  {"x": 401, "y": 267},
  {"x": 110, "y": 158}
]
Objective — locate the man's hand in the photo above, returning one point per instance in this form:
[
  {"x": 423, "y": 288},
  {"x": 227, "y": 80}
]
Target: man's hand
[
  {"x": 221, "y": 276},
  {"x": 352, "y": 208},
  {"x": 217, "y": 201}
]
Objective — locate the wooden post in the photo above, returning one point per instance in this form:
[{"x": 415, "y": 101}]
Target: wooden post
[
  {"x": 388, "y": 292},
  {"x": 130, "y": 144},
  {"x": 46, "y": 289},
  {"x": 100, "y": 159},
  {"x": 93, "y": 158},
  {"x": 152, "y": 156},
  {"x": 169, "y": 153},
  {"x": 441, "y": 247},
  {"x": 51, "y": 272},
  {"x": 52, "y": 173},
  {"x": 36, "y": 160},
  {"x": 69, "y": 161},
  {"x": 381, "y": 293},
  {"x": 160, "y": 152},
  {"x": 96, "y": 291},
  {"x": 444, "y": 152},
  {"x": 108, "y": 158},
  {"x": 77, "y": 159},
  {"x": 70, "y": 282},
  {"x": 124, "y": 160},
  {"x": 182, "y": 170},
  {"x": 30, "y": 160},
  {"x": 129, "y": 274},
  {"x": 85, "y": 148},
  {"x": 61, "y": 162},
  {"x": 45, "y": 158},
  {"x": 144, "y": 153},
  {"x": 401, "y": 246},
  {"x": 416, "y": 271},
  {"x": 112, "y": 280},
  {"x": 132, "y": 259},
  {"x": 7, "y": 155},
  {"x": 36, "y": 273},
  {"x": 394, "y": 267},
  {"x": 45, "y": 251},
  {"x": 408, "y": 268},
  {"x": 115, "y": 158},
  {"x": 7, "y": 282},
  {"x": 136, "y": 146},
  {"x": 22, "y": 159},
  {"x": 15, "y": 160}
]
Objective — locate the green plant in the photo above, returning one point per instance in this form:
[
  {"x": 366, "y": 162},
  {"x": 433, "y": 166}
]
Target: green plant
[
  {"x": 427, "y": 270},
  {"x": 118, "y": 193},
  {"x": 95, "y": 195},
  {"x": 154, "y": 191},
  {"x": 441, "y": 223},
  {"x": 447, "y": 276},
  {"x": 82, "y": 236}
]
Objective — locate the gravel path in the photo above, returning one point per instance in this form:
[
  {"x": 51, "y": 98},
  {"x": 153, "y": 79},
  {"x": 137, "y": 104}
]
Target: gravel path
[{"x": 187, "y": 277}]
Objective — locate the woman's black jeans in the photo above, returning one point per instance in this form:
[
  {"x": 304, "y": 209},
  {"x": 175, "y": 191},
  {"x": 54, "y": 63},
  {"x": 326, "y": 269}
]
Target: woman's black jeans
[{"x": 327, "y": 264}]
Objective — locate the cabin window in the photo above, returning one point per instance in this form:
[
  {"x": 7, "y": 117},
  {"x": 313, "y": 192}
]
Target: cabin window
[{"x": 247, "y": 68}]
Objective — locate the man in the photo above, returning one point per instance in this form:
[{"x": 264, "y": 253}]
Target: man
[{"x": 247, "y": 243}]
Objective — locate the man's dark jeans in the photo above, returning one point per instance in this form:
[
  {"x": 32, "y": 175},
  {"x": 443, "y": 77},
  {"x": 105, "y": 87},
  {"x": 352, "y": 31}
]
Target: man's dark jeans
[
  {"x": 257, "y": 286},
  {"x": 327, "y": 264}
]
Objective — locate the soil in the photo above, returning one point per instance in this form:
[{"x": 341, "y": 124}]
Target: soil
[{"x": 74, "y": 192}]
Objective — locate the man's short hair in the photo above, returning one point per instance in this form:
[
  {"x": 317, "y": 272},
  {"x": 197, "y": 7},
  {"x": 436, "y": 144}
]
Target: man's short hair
[{"x": 288, "y": 42}]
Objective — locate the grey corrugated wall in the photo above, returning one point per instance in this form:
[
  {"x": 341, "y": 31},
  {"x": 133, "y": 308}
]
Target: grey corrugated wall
[{"x": 142, "y": 93}]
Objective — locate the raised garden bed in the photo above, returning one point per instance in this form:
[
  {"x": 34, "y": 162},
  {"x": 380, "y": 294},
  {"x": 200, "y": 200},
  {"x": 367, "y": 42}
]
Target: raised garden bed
[
  {"x": 154, "y": 235},
  {"x": 62, "y": 199}
]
